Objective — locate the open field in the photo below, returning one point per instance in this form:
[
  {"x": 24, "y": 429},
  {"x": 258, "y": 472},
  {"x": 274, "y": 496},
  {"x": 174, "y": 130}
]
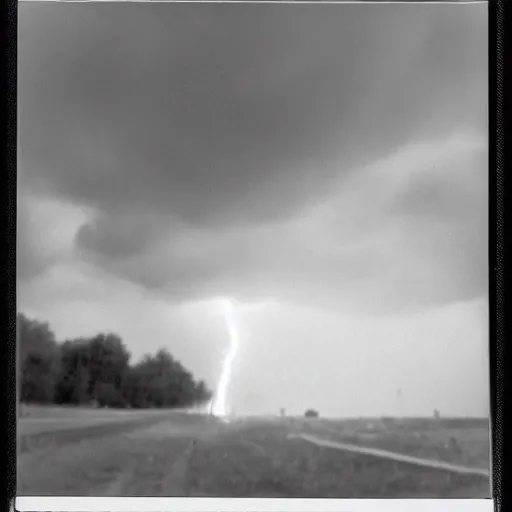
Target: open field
[
  {"x": 169, "y": 453},
  {"x": 446, "y": 440}
]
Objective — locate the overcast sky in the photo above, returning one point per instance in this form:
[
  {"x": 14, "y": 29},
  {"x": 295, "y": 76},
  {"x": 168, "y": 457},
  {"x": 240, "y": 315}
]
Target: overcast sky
[{"x": 328, "y": 162}]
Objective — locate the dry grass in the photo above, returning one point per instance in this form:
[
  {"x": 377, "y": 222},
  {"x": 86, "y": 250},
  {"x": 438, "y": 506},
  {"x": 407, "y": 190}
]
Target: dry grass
[
  {"x": 449, "y": 442},
  {"x": 296, "y": 469},
  {"x": 193, "y": 455}
]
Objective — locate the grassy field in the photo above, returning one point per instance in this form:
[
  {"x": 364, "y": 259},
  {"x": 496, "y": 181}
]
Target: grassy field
[
  {"x": 168, "y": 453},
  {"x": 446, "y": 440}
]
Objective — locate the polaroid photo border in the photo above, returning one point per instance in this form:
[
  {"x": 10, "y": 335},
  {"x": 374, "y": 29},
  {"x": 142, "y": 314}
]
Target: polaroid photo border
[{"x": 129, "y": 504}]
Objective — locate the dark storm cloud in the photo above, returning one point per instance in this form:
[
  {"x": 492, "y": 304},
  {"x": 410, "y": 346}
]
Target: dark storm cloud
[
  {"x": 231, "y": 112},
  {"x": 180, "y": 122}
]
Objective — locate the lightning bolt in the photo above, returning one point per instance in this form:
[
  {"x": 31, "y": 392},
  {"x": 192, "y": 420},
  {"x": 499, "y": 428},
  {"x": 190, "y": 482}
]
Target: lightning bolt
[{"x": 219, "y": 405}]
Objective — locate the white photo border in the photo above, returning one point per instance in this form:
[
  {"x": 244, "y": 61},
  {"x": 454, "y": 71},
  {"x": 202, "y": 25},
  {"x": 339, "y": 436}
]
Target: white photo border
[
  {"x": 139, "y": 504},
  {"x": 195, "y": 504}
]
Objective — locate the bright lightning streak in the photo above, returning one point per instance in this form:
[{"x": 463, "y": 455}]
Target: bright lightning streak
[{"x": 219, "y": 406}]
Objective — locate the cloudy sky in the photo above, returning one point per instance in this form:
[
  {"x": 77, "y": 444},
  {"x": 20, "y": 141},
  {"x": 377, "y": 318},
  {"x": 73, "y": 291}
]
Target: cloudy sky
[{"x": 326, "y": 164}]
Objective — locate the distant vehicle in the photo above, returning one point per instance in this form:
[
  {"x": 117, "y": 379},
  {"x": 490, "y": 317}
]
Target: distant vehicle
[{"x": 311, "y": 413}]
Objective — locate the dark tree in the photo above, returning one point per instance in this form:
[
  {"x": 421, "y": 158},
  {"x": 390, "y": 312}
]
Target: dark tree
[
  {"x": 74, "y": 383},
  {"x": 93, "y": 371},
  {"x": 202, "y": 394},
  {"x": 97, "y": 370},
  {"x": 108, "y": 367},
  {"x": 38, "y": 361},
  {"x": 161, "y": 381}
]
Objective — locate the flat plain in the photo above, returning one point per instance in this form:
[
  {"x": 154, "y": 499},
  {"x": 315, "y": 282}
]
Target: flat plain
[{"x": 88, "y": 452}]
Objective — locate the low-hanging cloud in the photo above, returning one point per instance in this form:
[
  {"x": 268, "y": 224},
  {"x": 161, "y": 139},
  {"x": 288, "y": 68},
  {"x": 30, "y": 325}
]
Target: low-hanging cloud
[{"x": 389, "y": 250}]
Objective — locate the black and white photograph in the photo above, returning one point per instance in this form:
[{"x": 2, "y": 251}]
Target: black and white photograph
[{"x": 252, "y": 250}]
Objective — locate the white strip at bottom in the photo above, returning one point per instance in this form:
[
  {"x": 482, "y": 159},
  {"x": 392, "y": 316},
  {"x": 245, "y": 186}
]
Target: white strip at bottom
[{"x": 91, "y": 504}]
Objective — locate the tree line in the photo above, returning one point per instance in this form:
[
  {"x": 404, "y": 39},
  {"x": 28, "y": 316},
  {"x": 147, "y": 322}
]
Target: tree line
[{"x": 97, "y": 371}]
